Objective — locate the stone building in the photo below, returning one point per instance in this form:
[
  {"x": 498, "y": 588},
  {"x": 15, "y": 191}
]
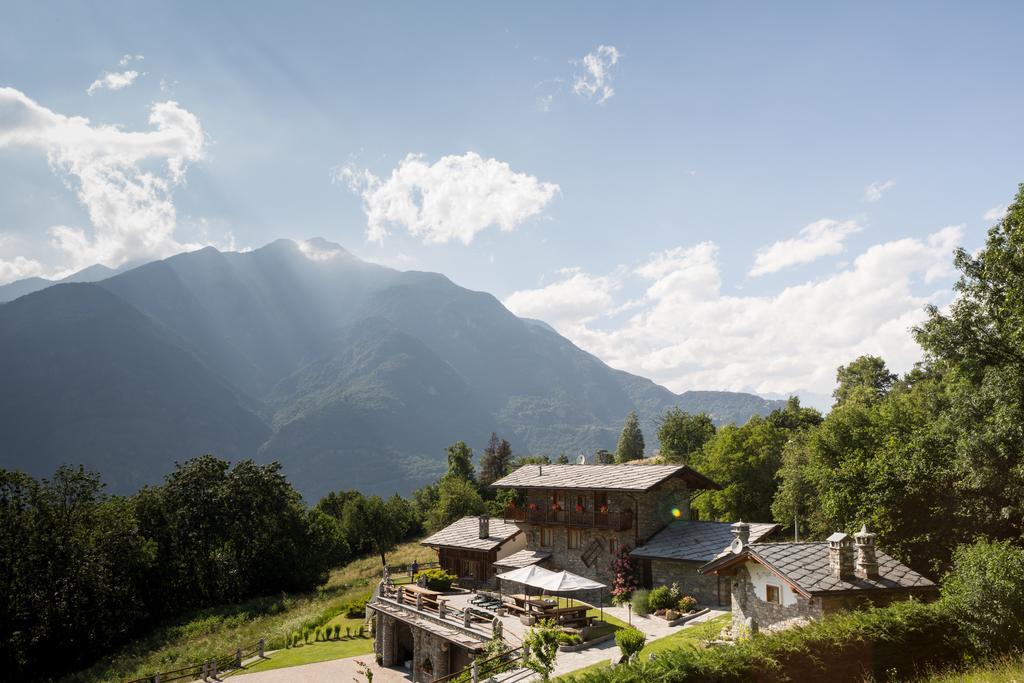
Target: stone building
[
  {"x": 577, "y": 517},
  {"x": 677, "y": 553},
  {"x": 778, "y": 582},
  {"x": 470, "y": 547},
  {"x": 428, "y": 640}
]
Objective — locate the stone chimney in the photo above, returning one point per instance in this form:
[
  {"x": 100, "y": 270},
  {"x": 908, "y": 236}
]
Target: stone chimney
[
  {"x": 485, "y": 526},
  {"x": 840, "y": 556},
  {"x": 741, "y": 532},
  {"x": 867, "y": 563}
]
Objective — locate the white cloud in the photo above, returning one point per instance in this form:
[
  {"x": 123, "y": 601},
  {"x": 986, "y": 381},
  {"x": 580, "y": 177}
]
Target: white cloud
[
  {"x": 18, "y": 268},
  {"x": 996, "y": 213},
  {"x": 594, "y": 80},
  {"x": 687, "y": 334},
  {"x": 821, "y": 238},
  {"x": 577, "y": 297},
  {"x": 452, "y": 199},
  {"x": 124, "y": 179},
  {"x": 874, "y": 191},
  {"x": 116, "y": 80}
]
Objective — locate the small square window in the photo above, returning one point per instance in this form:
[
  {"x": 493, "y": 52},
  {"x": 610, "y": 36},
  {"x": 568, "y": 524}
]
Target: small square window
[
  {"x": 773, "y": 594},
  {"x": 575, "y": 539},
  {"x": 546, "y": 537}
]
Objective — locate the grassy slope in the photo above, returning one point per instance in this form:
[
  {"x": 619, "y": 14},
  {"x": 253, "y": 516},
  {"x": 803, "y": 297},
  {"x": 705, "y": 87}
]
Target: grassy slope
[
  {"x": 1007, "y": 671},
  {"x": 218, "y": 631},
  {"x": 687, "y": 637}
]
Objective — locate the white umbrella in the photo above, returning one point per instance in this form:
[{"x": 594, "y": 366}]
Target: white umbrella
[
  {"x": 566, "y": 582},
  {"x": 530, "y": 575}
]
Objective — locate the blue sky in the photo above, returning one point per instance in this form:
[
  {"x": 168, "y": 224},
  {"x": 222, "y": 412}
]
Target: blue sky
[{"x": 728, "y": 129}]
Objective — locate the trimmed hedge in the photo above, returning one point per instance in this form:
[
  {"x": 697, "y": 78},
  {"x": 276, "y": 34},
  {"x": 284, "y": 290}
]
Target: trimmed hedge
[{"x": 892, "y": 643}]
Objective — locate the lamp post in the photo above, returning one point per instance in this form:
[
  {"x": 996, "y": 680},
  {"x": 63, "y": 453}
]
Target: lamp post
[{"x": 629, "y": 612}]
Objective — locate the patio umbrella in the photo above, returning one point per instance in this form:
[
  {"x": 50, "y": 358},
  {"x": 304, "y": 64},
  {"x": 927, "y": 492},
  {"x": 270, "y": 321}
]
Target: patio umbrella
[
  {"x": 567, "y": 582},
  {"x": 530, "y": 575}
]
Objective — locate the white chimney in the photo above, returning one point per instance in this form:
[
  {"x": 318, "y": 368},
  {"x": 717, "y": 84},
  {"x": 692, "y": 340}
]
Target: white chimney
[{"x": 741, "y": 532}]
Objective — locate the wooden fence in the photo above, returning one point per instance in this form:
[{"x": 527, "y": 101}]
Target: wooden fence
[{"x": 210, "y": 669}]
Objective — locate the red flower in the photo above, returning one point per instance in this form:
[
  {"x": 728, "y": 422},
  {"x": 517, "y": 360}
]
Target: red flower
[
  {"x": 579, "y": 508},
  {"x": 533, "y": 506}
]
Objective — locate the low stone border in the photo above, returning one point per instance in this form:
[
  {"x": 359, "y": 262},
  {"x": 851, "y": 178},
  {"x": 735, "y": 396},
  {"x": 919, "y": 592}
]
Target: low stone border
[
  {"x": 590, "y": 643},
  {"x": 687, "y": 617}
]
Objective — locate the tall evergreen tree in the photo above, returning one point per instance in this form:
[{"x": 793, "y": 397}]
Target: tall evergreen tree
[
  {"x": 631, "y": 440},
  {"x": 496, "y": 462}
]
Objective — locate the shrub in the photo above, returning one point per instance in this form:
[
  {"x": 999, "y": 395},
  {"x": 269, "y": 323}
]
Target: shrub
[
  {"x": 439, "y": 579},
  {"x": 630, "y": 642},
  {"x": 542, "y": 640},
  {"x": 337, "y": 631},
  {"x": 640, "y": 602},
  {"x": 661, "y": 598},
  {"x": 569, "y": 638},
  {"x": 355, "y": 608},
  {"x": 983, "y": 591},
  {"x": 348, "y": 632},
  {"x": 687, "y": 603},
  {"x": 625, "y": 576}
]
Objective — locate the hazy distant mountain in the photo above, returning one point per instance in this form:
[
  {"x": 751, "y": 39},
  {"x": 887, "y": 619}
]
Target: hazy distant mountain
[
  {"x": 352, "y": 374},
  {"x": 19, "y": 288}
]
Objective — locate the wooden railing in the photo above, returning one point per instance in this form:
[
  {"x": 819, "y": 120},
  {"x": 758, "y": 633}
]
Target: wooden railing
[
  {"x": 616, "y": 521},
  {"x": 210, "y": 669}
]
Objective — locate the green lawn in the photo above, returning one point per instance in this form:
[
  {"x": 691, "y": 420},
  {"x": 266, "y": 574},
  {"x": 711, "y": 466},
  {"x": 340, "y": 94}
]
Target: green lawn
[
  {"x": 686, "y": 637},
  {"x": 318, "y": 651}
]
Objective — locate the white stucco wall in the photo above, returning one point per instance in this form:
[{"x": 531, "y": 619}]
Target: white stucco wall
[
  {"x": 761, "y": 577},
  {"x": 517, "y": 543}
]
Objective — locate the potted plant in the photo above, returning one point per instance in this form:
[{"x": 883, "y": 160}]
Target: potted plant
[{"x": 579, "y": 508}]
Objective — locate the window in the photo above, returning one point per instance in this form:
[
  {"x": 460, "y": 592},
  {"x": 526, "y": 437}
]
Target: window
[
  {"x": 613, "y": 545},
  {"x": 772, "y": 594},
  {"x": 546, "y": 537},
  {"x": 556, "y": 500},
  {"x": 581, "y": 503},
  {"x": 601, "y": 501},
  {"x": 575, "y": 538}
]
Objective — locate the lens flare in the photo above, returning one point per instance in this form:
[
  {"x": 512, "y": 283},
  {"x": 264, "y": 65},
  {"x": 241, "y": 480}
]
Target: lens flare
[{"x": 677, "y": 513}]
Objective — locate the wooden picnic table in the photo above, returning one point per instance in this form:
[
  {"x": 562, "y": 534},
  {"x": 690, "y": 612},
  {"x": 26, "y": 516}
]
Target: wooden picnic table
[{"x": 425, "y": 592}]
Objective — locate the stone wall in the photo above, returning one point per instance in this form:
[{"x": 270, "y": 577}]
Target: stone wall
[
  {"x": 431, "y": 654},
  {"x": 704, "y": 587},
  {"x": 746, "y": 603},
  {"x": 652, "y": 511},
  {"x": 655, "y": 507}
]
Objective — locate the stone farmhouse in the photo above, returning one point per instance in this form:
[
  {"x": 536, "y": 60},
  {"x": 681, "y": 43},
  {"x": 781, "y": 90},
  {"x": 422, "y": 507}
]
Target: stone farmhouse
[
  {"x": 578, "y": 517},
  {"x": 773, "y": 583}
]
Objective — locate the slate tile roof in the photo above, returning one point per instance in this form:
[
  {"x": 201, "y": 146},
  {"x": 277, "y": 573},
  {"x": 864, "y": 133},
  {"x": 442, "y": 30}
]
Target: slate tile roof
[
  {"x": 523, "y": 558},
  {"x": 806, "y": 565},
  {"x": 465, "y": 533},
  {"x": 695, "y": 541},
  {"x": 600, "y": 477}
]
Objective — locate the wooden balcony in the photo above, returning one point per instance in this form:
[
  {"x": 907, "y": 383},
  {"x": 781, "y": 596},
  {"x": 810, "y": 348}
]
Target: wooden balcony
[{"x": 615, "y": 521}]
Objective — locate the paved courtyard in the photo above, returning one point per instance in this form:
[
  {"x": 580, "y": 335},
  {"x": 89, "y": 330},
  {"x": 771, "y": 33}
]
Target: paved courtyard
[{"x": 326, "y": 672}]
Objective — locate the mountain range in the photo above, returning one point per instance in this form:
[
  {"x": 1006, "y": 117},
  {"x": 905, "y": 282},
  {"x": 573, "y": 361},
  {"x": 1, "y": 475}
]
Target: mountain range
[{"x": 352, "y": 374}]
